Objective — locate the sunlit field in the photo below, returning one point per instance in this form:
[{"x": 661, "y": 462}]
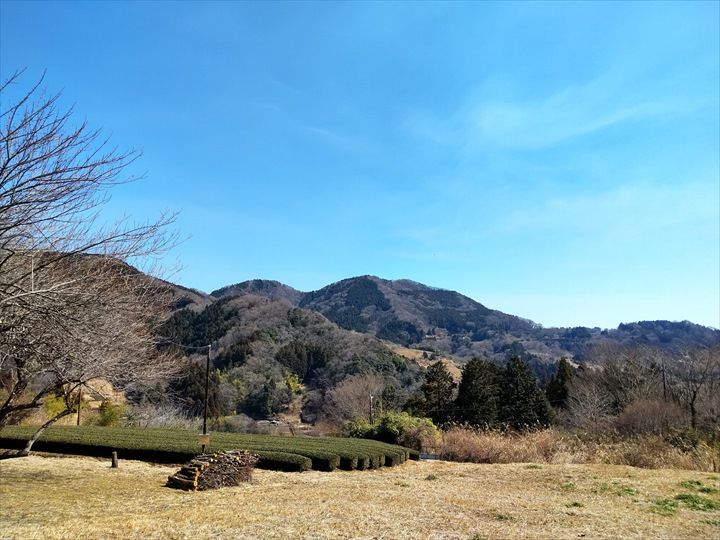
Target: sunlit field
[{"x": 54, "y": 497}]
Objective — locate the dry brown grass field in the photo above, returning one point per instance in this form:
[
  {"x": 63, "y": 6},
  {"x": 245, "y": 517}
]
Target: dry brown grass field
[
  {"x": 72, "y": 497},
  {"x": 417, "y": 356}
]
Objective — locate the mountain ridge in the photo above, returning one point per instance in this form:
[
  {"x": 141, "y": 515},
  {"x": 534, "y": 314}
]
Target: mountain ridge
[
  {"x": 410, "y": 313},
  {"x": 267, "y": 338}
]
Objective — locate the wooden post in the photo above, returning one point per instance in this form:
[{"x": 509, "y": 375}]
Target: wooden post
[{"x": 114, "y": 460}]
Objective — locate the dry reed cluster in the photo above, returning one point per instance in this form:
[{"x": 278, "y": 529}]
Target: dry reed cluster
[{"x": 553, "y": 446}]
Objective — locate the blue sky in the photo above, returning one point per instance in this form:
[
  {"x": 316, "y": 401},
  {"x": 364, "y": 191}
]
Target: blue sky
[{"x": 558, "y": 161}]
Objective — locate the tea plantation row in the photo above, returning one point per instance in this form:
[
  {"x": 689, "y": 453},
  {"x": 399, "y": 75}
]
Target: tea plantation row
[{"x": 174, "y": 445}]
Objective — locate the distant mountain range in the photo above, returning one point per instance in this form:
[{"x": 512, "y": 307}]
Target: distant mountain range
[{"x": 447, "y": 323}]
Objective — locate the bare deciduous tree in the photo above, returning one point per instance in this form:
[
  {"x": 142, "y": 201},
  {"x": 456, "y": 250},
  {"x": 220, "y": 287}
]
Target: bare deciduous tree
[
  {"x": 589, "y": 405},
  {"x": 350, "y": 399},
  {"x": 694, "y": 373},
  {"x": 72, "y": 309},
  {"x": 628, "y": 374},
  {"x": 641, "y": 388}
]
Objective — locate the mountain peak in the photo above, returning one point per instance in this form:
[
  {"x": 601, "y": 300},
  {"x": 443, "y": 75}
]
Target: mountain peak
[{"x": 261, "y": 287}]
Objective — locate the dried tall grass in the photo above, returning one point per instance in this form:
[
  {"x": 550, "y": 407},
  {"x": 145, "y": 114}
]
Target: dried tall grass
[
  {"x": 553, "y": 446},
  {"x": 85, "y": 498}
]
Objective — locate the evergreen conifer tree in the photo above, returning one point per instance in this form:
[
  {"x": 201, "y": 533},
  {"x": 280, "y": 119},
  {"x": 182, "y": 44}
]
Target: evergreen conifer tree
[
  {"x": 437, "y": 393},
  {"x": 522, "y": 404},
  {"x": 479, "y": 393},
  {"x": 557, "y": 388}
]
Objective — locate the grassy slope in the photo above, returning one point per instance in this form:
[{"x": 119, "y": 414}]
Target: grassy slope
[
  {"x": 416, "y": 355},
  {"x": 83, "y": 497}
]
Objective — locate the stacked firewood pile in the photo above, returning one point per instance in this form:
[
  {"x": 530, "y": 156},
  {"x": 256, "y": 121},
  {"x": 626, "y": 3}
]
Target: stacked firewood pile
[{"x": 209, "y": 471}]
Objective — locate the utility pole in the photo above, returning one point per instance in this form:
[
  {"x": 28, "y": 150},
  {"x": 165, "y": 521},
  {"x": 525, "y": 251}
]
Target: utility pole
[
  {"x": 207, "y": 387},
  {"x": 371, "y": 410},
  {"x": 79, "y": 403}
]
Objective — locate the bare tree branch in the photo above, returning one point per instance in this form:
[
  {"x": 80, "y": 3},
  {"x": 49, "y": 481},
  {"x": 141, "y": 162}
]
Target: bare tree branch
[{"x": 72, "y": 308}]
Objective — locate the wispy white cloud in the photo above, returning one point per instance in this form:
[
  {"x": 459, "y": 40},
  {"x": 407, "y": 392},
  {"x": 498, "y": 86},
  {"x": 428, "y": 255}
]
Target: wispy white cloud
[
  {"x": 630, "y": 211},
  {"x": 335, "y": 138},
  {"x": 546, "y": 123},
  {"x": 535, "y": 123}
]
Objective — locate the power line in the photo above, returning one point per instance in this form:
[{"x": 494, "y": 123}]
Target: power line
[{"x": 186, "y": 347}]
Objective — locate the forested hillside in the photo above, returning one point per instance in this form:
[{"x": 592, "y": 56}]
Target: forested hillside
[
  {"x": 276, "y": 349},
  {"x": 415, "y": 315},
  {"x": 268, "y": 353}
]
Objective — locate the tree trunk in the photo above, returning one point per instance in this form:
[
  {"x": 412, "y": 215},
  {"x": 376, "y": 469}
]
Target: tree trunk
[
  {"x": 26, "y": 451},
  {"x": 693, "y": 412},
  {"x": 693, "y": 416}
]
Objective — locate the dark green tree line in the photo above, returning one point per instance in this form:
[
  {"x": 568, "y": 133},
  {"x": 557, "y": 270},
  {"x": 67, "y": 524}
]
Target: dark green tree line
[{"x": 494, "y": 396}]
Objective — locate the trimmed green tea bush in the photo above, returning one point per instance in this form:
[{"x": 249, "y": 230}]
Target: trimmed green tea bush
[{"x": 175, "y": 445}]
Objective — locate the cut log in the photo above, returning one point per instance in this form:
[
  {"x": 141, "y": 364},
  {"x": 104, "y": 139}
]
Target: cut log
[
  {"x": 188, "y": 484},
  {"x": 209, "y": 471}
]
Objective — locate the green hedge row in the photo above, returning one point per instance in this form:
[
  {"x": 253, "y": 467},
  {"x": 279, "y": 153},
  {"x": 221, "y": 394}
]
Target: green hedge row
[{"x": 165, "y": 445}]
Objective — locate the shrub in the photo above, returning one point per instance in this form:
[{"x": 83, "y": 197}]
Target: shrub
[
  {"x": 423, "y": 437},
  {"x": 293, "y": 383},
  {"x": 54, "y": 405},
  {"x": 397, "y": 428},
  {"x": 392, "y": 426},
  {"x": 647, "y": 416},
  {"x": 360, "y": 429},
  {"x": 110, "y": 414},
  {"x": 240, "y": 423}
]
